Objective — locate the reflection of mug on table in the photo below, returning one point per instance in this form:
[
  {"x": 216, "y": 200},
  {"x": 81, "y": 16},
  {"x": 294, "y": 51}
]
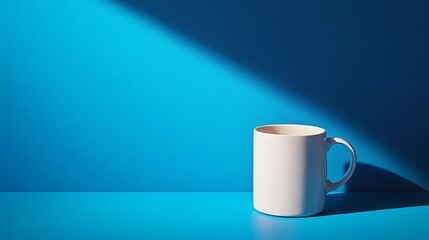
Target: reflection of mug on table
[{"x": 289, "y": 169}]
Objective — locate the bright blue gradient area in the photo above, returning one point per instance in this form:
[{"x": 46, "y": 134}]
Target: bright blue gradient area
[
  {"x": 193, "y": 216},
  {"x": 95, "y": 98}
]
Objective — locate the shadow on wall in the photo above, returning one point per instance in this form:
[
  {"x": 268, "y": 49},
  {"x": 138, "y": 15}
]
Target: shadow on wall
[
  {"x": 369, "y": 178},
  {"x": 365, "y": 62}
]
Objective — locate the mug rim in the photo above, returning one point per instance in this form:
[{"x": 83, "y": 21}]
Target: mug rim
[{"x": 311, "y": 130}]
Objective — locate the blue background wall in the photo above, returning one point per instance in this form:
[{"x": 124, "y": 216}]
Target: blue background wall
[{"x": 164, "y": 95}]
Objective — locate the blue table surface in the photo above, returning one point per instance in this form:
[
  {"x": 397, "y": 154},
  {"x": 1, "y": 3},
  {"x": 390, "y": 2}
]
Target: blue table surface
[{"x": 206, "y": 215}]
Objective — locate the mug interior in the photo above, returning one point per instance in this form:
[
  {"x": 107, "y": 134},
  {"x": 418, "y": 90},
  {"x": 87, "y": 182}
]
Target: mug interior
[{"x": 291, "y": 130}]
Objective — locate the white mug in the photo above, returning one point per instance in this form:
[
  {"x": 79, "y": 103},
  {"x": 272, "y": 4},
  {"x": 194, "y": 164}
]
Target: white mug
[{"x": 289, "y": 169}]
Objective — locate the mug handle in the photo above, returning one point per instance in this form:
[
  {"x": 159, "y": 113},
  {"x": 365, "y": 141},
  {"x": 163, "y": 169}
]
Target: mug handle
[{"x": 334, "y": 185}]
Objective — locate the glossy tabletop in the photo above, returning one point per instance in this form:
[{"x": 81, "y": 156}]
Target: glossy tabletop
[{"x": 206, "y": 215}]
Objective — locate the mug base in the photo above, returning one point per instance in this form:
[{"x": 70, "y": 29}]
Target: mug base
[{"x": 289, "y": 215}]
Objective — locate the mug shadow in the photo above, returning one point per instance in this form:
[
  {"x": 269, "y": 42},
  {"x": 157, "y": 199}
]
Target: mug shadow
[
  {"x": 363, "y": 192},
  {"x": 342, "y": 203},
  {"x": 274, "y": 227}
]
